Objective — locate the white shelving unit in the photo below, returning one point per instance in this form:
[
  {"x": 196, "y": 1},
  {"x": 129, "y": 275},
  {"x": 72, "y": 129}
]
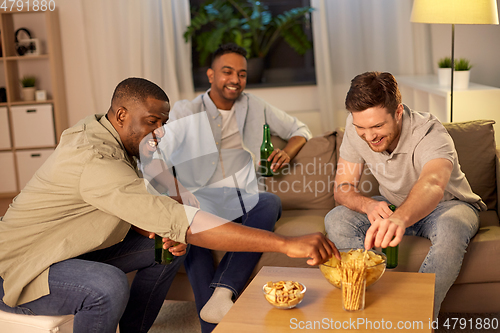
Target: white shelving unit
[
  {"x": 29, "y": 130},
  {"x": 423, "y": 93}
]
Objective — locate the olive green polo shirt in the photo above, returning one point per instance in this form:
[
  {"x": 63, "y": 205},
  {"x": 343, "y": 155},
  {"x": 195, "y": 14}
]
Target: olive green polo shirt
[{"x": 85, "y": 197}]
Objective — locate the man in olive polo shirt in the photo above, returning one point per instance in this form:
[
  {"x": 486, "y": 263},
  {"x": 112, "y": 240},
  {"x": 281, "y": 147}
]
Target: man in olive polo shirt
[{"x": 68, "y": 239}]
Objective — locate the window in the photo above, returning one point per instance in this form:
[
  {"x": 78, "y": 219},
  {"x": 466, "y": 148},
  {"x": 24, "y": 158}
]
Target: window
[{"x": 282, "y": 65}]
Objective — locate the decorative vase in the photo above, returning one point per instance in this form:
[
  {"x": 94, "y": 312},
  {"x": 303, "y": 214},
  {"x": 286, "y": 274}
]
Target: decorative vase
[{"x": 28, "y": 93}]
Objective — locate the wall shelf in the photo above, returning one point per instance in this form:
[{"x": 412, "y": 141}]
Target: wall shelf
[{"x": 27, "y": 58}]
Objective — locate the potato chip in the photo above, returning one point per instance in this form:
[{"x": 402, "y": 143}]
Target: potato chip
[{"x": 373, "y": 261}]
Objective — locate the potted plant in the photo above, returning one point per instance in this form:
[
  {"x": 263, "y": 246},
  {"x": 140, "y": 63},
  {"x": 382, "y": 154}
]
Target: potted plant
[
  {"x": 444, "y": 71},
  {"x": 460, "y": 76},
  {"x": 28, "y": 88},
  {"x": 249, "y": 24},
  {"x": 462, "y": 73}
]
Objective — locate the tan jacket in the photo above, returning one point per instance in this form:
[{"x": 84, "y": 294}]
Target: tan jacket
[{"x": 83, "y": 198}]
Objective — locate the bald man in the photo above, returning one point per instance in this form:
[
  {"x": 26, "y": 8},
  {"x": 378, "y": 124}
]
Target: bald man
[{"x": 68, "y": 239}]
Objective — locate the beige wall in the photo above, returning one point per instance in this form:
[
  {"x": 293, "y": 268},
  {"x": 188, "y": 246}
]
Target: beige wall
[
  {"x": 479, "y": 43},
  {"x": 76, "y": 68}
]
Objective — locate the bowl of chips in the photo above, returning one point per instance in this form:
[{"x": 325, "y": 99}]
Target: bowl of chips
[
  {"x": 284, "y": 294},
  {"x": 375, "y": 262}
]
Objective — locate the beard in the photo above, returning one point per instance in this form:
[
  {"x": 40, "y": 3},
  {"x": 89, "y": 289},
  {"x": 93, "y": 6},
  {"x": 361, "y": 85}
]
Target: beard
[{"x": 384, "y": 142}]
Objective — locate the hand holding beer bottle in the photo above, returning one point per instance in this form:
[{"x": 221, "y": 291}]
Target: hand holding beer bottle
[
  {"x": 266, "y": 149},
  {"x": 392, "y": 252},
  {"x": 162, "y": 256}
]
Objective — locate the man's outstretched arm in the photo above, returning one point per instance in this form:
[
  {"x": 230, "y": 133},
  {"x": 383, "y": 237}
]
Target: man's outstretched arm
[{"x": 215, "y": 233}]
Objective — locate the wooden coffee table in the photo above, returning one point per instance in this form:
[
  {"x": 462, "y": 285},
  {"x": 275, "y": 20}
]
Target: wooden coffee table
[{"x": 398, "y": 301}]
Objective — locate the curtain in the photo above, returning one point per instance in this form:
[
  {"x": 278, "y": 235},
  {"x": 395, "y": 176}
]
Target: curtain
[
  {"x": 137, "y": 38},
  {"x": 355, "y": 36}
]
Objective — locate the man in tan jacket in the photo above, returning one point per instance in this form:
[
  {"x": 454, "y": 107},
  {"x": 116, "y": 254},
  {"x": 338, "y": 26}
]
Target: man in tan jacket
[{"x": 66, "y": 241}]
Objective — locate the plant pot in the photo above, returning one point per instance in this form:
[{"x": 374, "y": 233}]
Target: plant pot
[
  {"x": 461, "y": 80},
  {"x": 28, "y": 93},
  {"x": 444, "y": 77},
  {"x": 255, "y": 70}
]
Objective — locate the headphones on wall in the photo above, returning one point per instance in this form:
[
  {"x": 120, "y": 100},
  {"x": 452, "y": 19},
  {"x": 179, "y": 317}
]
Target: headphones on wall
[{"x": 22, "y": 49}]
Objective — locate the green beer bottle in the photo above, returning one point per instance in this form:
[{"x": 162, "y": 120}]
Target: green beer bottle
[
  {"x": 392, "y": 252},
  {"x": 266, "y": 150},
  {"x": 162, "y": 256}
]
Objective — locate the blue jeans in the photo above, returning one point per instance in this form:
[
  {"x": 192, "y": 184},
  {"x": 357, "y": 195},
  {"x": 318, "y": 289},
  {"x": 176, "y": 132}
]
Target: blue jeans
[
  {"x": 449, "y": 227},
  {"x": 235, "y": 268},
  {"x": 95, "y": 289}
]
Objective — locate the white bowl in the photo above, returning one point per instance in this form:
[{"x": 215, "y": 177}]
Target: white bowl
[{"x": 287, "y": 300}]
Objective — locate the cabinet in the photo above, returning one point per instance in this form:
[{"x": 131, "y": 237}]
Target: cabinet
[
  {"x": 423, "y": 93},
  {"x": 29, "y": 130}
]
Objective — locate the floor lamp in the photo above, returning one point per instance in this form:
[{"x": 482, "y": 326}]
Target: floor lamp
[{"x": 454, "y": 12}]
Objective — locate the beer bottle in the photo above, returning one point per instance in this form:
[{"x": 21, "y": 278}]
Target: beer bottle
[
  {"x": 162, "y": 256},
  {"x": 265, "y": 151},
  {"x": 390, "y": 251}
]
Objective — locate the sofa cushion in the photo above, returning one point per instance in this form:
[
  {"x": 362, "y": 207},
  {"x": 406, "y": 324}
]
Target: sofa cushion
[
  {"x": 473, "y": 298},
  {"x": 476, "y": 148},
  {"x": 481, "y": 263},
  {"x": 488, "y": 218},
  {"x": 307, "y": 182},
  {"x": 301, "y": 222}
]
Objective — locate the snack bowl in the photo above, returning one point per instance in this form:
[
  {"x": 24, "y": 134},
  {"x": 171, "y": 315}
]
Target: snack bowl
[
  {"x": 376, "y": 264},
  {"x": 284, "y": 294}
]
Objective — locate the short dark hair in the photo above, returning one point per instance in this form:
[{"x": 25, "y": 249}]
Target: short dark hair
[
  {"x": 373, "y": 89},
  {"x": 138, "y": 89},
  {"x": 228, "y": 48}
]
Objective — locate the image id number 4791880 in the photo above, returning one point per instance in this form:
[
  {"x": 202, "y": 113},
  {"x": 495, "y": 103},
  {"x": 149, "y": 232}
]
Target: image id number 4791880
[
  {"x": 27, "y": 5},
  {"x": 473, "y": 324}
]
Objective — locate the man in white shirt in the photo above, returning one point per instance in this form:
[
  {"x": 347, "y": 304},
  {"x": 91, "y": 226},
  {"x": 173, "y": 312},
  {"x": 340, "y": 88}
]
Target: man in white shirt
[{"x": 224, "y": 180}]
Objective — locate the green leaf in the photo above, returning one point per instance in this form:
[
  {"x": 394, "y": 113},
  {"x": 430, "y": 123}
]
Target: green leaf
[
  {"x": 248, "y": 23},
  {"x": 444, "y": 62},
  {"x": 462, "y": 64},
  {"x": 296, "y": 38}
]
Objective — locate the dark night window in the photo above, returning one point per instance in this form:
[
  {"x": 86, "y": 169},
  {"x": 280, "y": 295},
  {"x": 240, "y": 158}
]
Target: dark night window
[{"x": 282, "y": 65}]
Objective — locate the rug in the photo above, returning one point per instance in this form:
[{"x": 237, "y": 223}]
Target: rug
[
  {"x": 181, "y": 317},
  {"x": 177, "y": 317}
]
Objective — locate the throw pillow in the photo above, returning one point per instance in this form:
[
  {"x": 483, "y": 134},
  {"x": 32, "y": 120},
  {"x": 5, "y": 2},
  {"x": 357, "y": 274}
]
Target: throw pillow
[
  {"x": 307, "y": 183},
  {"x": 476, "y": 148}
]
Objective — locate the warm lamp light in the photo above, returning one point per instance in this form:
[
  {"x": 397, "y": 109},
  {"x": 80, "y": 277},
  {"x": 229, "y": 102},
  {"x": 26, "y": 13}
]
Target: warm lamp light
[{"x": 454, "y": 12}]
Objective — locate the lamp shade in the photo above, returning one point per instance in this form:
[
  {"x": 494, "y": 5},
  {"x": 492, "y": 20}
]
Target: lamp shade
[{"x": 455, "y": 11}]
